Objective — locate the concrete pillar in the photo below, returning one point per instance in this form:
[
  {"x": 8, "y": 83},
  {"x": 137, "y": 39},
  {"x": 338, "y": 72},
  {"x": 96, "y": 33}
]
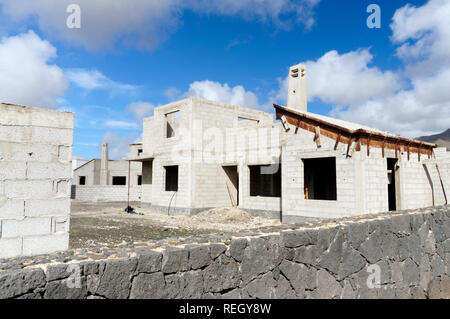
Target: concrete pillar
[
  {"x": 360, "y": 182},
  {"x": 297, "y": 98},
  {"x": 104, "y": 165}
]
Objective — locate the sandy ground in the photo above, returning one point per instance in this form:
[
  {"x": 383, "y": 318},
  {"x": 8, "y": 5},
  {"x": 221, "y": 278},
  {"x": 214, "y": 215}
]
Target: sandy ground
[{"x": 106, "y": 223}]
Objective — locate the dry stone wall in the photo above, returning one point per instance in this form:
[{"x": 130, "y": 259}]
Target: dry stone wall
[{"x": 391, "y": 255}]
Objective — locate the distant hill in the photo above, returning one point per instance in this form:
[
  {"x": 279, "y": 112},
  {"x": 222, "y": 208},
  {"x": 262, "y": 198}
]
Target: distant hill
[{"x": 442, "y": 139}]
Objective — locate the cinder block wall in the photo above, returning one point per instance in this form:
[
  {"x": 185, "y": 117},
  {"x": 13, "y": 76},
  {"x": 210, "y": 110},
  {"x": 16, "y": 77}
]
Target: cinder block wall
[
  {"x": 106, "y": 193},
  {"x": 302, "y": 146},
  {"x": 361, "y": 179},
  {"x": 35, "y": 179}
]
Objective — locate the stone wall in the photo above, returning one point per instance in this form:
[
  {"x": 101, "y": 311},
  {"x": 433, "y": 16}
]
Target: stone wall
[
  {"x": 106, "y": 193},
  {"x": 407, "y": 253},
  {"x": 35, "y": 174}
]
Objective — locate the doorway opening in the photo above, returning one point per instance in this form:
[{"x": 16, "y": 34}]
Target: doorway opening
[
  {"x": 392, "y": 174},
  {"x": 232, "y": 181}
]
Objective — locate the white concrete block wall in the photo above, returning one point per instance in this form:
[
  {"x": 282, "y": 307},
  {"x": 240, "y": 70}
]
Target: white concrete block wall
[
  {"x": 361, "y": 180},
  {"x": 263, "y": 203},
  {"x": 422, "y": 186},
  {"x": 376, "y": 179},
  {"x": 443, "y": 160},
  {"x": 302, "y": 146},
  {"x": 35, "y": 174},
  {"x": 107, "y": 193},
  {"x": 163, "y": 198}
]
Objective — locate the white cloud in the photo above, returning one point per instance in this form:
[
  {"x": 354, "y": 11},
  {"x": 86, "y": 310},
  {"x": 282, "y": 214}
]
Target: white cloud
[
  {"x": 26, "y": 75},
  {"x": 172, "y": 93},
  {"x": 120, "y": 124},
  {"x": 144, "y": 23},
  {"x": 118, "y": 146},
  {"x": 348, "y": 79},
  {"x": 95, "y": 80},
  {"x": 424, "y": 32},
  {"x": 223, "y": 93},
  {"x": 140, "y": 110}
]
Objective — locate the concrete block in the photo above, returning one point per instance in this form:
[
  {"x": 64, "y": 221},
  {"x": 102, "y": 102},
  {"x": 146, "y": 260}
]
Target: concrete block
[
  {"x": 28, "y": 152},
  {"x": 52, "y": 136},
  {"x": 37, "y": 170},
  {"x": 34, "y": 245},
  {"x": 47, "y": 207},
  {"x": 60, "y": 224},
  {"x": 15, "y": 133},
  {"x": 29, "y": 189},
  {"x": 11, "y": 208},
  {"x": 63, "y": 188},
  {"x": 26, "y": 227},
  {"x": 12, "y": 170},
  {"x": 31, "y": 116},
  {"x": 10, "y": 247},
  {"x": 40, "y": 135},
  {"x": 65, "y": 153}
]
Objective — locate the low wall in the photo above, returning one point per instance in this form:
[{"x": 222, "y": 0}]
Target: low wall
[
  {"x": 106, "y": 193},
  {"x": 35, "y": 174},
  {"x": 392, "y": 255}
]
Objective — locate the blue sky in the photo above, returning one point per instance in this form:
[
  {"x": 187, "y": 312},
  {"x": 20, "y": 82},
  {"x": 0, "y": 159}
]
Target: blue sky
[{"x": 173, "y": 49}]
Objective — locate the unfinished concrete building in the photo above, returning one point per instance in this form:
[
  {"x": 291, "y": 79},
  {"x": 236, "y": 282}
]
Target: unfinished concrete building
[
  {"x": 107, "y": 180},
  {"x": 35, "y": 176},
  {"x": 199, "y": 154}
]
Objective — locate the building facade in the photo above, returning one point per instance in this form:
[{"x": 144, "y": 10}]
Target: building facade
[
  {"x": 199, "y": 154},
  {"x": 107, "y": 180}
]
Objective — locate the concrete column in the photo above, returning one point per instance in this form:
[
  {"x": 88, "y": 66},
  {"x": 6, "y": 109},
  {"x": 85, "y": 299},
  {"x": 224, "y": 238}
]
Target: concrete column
[
  {"x": 297, "y": 98},
  {"x": 104, "y": 165},
  {"x": 360, "y": 182}
]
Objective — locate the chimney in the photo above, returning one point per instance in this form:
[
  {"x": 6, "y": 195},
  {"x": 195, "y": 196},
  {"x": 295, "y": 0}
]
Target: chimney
[
  {"x": 297, "y": 88},
  {"x": 104, "y": 165}
]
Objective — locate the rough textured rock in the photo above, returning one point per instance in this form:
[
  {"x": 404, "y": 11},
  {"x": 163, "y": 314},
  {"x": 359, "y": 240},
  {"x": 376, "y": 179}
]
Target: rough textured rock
[
  {"x": 174, "y": 260},
  {"x": 305, "y": 255},
  {"x": 237, "y": 247},
  {"x": 351, "y": 263},
  {"x": 262, "y": 288},
  {"x": 296, "y": 238},
  {"x": 256, "y": 259},
  {"x": 115, "y": 282},
  {"x": 64, "y": 289},
  {"x": 148, "y": 286},
  {"x": 371, "y": 248},
  {"x": 221, "y": 275},
  {"x": 347, "y": 291},
  {"x": 411, "y": 273},
  {"x": 199, "y": 257},
  {"x": 327, "y": 286},
  {"x": 284, "y": 289},
  {"x": 59, "y": 271},
  {"x": 357, "y": 234},
  {"x": 437, "y": 266},
  {"x": 20, "y": 282},
  {"x": 299, "y": 276},
  {"x": 374, "y": 256},
  {"x": 232, "y": 294},
  {"x": 332, "y": 257},
  {"x": 216, "y": 250},
  {"x": 149, "y": 262}
]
